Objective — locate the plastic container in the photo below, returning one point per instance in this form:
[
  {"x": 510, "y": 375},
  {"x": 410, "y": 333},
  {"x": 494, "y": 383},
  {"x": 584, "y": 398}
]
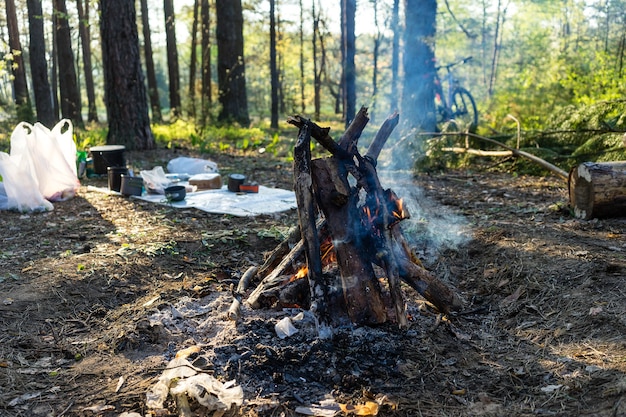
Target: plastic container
[
  {"x": 107, "y": 156},
  {"x": 131, "y": 185},
  {"x": 234, "y": 181},
  {"x": 175, "y": 193},
  {"x": 115, "y": 177}
]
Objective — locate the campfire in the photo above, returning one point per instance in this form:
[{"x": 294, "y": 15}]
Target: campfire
[{"x": 349, "y": 255}]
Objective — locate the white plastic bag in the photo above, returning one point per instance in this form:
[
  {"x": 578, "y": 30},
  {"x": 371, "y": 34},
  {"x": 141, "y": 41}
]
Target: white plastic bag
[
  {"x": 53, "y": 157},
  {"x": 20, "y": 190},
  {"x": 155, "y": 180},
  {"x": 191, "y": 166},
  {"x": 40, "y": 168}
]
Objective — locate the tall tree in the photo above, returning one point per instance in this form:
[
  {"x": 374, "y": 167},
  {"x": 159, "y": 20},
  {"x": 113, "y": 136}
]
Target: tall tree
[
  {"x": 348, "y": 48},
  {"x": 85, "y": 38},
  {"x": 418, "y": 97},
  {"x": 38, "y": 64},
  {"x": 193, "y": 60},
  {"x": 375, "y": 53},
  {"x": 68, "y": 81},
  {"x": 125, "y": 92},
  {"x": 153, "y": 88},
  {"x": 273, "y": 66},
  {"x": 205, "y": 41},
  {"x": 302, "y": 101},
  {"x": 231, "y": 72},
  {"x": 395, "y": 53},
  {"x": 172, "y": 58},
  {"x": 317, "y": 69},
  {"x": 20, "y": 87},
  {"x": 54, "y": 77}
]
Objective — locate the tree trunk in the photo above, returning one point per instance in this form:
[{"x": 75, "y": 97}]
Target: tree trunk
[
  {"x": 125, "y": 92},
  {"x": 231, "y": 72},
  {"x": 54, "y": 76},
  {"x": 38, "y": 64},
  {"x": 193, "y": 61},
  {"x": 153, "y": 88},
  {"x": 207, "y": 99},
  {"x": 273, "y": 67},
  {"x": 377, "y": 39},
  {"x": 418, "y": 98},
  {"x": 395, "y": 53},
  {"x": 302, "y": 83},
  {"x": 598, "y": 189},
  {"x": 68, "y": 81},
  {"x": 348, "y": 48},
  {"x": 172, "y": 58},
  {"x": 20, "y": 86},
  {"x": 85, "y": 38},
  {"x": 317, "y": 79}
]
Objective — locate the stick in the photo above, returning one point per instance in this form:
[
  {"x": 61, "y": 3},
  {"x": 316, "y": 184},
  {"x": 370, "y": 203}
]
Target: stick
[
  {"x": 547, "y": 165},
  {"x": 381, "y": 137},
  {"x": 234, "y": 312},
  {"x": 303, "y": 187},
  {"x": 320, "y": 134}
]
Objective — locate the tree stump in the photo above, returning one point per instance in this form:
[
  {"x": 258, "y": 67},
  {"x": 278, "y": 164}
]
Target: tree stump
[{"x": 598, "y": 189}]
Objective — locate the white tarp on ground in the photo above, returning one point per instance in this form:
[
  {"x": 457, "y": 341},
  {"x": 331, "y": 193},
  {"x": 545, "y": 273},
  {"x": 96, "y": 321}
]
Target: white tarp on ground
[{"x": 222, "y": 201}]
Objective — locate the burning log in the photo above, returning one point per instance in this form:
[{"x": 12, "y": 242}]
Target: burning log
[{"x": 359, "y": 221}]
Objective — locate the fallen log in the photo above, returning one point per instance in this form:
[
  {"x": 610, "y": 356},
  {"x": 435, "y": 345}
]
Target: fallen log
[{"x": 598, "y": 189}]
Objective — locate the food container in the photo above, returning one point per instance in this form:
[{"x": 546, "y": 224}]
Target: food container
[
  {"x": 206, "y": 181},
  {"x": 234, "y": 181},
  {"x": 115, "y": 177},
  {"x": 131, "y": 185},
  {"x": 107, "y": 156},
  {"x": 175, "y": 193}
]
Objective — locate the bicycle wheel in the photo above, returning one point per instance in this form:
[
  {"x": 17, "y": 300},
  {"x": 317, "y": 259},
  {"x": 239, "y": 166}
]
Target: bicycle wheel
[{"x": 464, "y": 111}]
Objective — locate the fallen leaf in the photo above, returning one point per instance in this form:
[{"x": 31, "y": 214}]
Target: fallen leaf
[{"x": 370, "y": 408}]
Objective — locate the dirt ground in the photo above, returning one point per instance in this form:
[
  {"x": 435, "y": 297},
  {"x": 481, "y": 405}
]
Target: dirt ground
[{"x": 99, "y": 294}]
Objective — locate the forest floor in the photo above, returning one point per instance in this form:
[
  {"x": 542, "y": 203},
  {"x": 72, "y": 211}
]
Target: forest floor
[{"x": 100, "y": 294}]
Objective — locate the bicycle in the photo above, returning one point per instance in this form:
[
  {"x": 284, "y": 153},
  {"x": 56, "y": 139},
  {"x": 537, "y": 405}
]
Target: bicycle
[{"x": 457, "y": 108}]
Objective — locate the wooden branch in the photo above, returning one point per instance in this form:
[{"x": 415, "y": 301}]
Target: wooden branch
[
  {"x": 420, "y": 279},
  {"x": 303, "y": 187},
  {"x": 320, "y": 134},
  {"x": 279, "y": 252},
  {"x": 350, "y": 137},
  {"x": 275, "y": 278},
  {"x": 478, "y": 152},
  {"x": 381, "y": 136},
  {"x": 547, "y": 165},
  {"x": 235, "y": 308}
]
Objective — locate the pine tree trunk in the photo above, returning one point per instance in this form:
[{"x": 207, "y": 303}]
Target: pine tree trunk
[
  {"x": 38, "y": 64},
  {"x": 68, "y": 80},
  {"x": 207, "y": 92},
  {"x": 125, "y": 92},
  {"x": 85, "y": 38},
  {"x": 172, "y": 58},
  {"x": 153, "y": 88},
  {"x": 20, "y": 87},
  {"x": 230, "y": 62}
]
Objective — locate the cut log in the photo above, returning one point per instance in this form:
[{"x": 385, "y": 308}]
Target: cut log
[
  {"x": 598, "y": 189},
  {"x": 361, "y": 289}
]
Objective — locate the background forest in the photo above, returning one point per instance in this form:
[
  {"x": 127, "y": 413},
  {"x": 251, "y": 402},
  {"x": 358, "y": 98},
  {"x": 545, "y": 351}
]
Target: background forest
[{"x": 547, "y": 74}]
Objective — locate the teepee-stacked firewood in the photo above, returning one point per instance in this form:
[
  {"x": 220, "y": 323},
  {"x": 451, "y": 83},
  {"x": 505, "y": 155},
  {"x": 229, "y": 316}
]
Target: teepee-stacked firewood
[{"x": 342, "y": 205}]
